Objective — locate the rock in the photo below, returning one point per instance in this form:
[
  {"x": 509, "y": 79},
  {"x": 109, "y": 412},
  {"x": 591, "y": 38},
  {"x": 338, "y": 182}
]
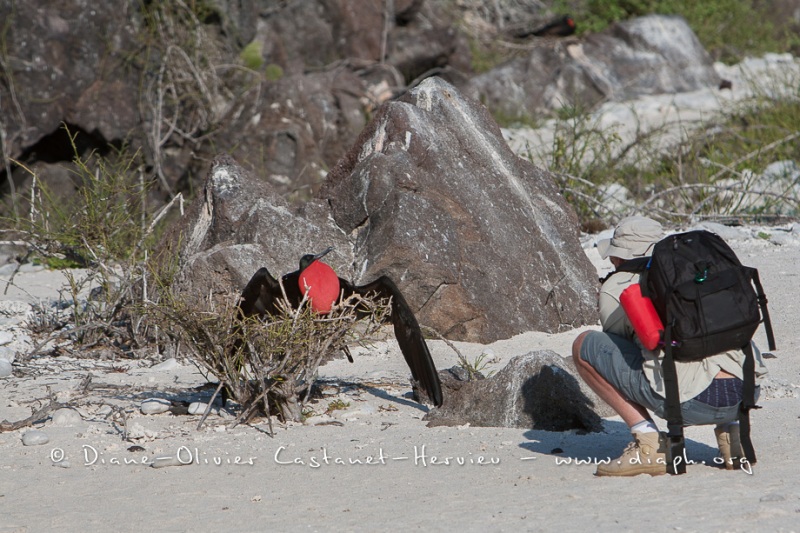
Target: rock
[
  {"x": 241, "y": 224},
  {"x": 136, "y": 431},
  {"x": 155, "y": 406},
  {"x": 199, "y": 408},
  {"x": 647, "y": 55},
  {"x": 169, "y": 364},
  {"x": 6, "y": 337},
  {"x": 355, "y": 413},
  {"x": 389, "y": 203},
  {"x": 35, "y": 437},
  {"x": 66, "y": 417},
  {"x": 435, "y": 199},
  {"x": 533, "y": 391},
  {"x": 105, "y": 410},
  {"x": 726, "y": 232},
  {"x": 6, "y": 369}
]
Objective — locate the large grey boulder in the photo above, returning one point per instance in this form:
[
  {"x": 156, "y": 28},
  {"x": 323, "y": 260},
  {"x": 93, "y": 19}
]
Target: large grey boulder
[
  {"x": 240, "y": 224},
  {"x": 537, "y": 390},
  {"x": 480, "y": 241},
  {"x": 655, "y": 54}
]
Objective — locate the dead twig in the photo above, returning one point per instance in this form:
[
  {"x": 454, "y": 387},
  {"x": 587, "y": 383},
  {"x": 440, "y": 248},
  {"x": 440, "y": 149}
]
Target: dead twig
[{"x": 37, "y": 416}]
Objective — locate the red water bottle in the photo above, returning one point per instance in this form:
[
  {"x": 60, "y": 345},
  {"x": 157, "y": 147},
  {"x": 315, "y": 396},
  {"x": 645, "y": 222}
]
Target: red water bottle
[{"x": 643, "y": 316}]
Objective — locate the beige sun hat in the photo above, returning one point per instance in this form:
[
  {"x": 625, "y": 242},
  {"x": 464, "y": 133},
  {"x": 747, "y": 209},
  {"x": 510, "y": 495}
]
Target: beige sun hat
[{"x": 633, "y": 237}]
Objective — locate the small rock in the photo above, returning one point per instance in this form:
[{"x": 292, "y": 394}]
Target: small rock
[
  {"x": 35, "y": 437},
  {"x": 319, "y": 420},
  {"x": 62, "y": 464},
  {"x": 155, "y": 406},
  {"x": 5, "y": 368},
  {"x": 64, "y": 396},
  {"x": 105, "y": 410},
  {"x": 169, "y": 364},
  {"x": 358, "y": 412},
  {"x": 199, "y": 408},
  {"x": 137, "y": 431},
  {"x": 66, "y": 417},
  {"x": 8, "y": 269},
  {"x": 11, "y": 308},
  {"x": 30, "y": 267}
]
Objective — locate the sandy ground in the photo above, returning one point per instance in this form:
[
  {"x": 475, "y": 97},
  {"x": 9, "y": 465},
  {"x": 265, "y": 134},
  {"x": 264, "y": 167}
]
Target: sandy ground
[{"x": 375, "y": 466}]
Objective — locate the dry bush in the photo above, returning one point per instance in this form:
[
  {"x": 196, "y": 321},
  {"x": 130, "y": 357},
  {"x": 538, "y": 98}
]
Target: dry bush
[{"x": 266, "y": 366}]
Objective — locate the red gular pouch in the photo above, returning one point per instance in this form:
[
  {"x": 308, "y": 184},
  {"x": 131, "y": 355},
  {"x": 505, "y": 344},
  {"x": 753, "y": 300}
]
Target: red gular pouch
[
  {"x": 643, "y": 316},
  {"x": 322, "y": 284}
]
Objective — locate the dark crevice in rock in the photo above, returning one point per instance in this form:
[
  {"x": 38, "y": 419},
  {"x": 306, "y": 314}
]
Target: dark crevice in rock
[{"x": 57, "y": 147}]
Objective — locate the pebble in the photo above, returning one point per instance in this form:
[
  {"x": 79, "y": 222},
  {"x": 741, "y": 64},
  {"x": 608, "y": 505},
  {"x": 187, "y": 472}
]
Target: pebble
[
  {"x": 169, "y": 364},
  {"x": 62, "y": 464},
  {"x": 6, "y": 337},
  {"x": 137, "y": 431},
  {"x": 30, "y": 267},
  {"x": 155, "y": 406},
  {"x": 105, "y": 410},
  {"x": 5, "y": 368},
  {"x": 322, "y": 420},
  {"x": 358, "y": 412},
  {"x": 66, "y": 417},
  {"x": 14, "y": 308},
  {"x": 35, "y": 437},
  {"x": 199, "y": 408}
]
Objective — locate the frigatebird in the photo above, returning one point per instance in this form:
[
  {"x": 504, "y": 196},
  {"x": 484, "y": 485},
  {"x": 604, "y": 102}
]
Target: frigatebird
[{"x": 318, "y": 282}]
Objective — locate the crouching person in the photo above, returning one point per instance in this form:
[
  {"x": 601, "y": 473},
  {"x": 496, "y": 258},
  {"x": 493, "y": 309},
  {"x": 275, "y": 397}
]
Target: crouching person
[{"x": 629, "y": 378}]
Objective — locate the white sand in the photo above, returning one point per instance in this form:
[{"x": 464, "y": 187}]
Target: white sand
[{"x": 521, "y": 487}]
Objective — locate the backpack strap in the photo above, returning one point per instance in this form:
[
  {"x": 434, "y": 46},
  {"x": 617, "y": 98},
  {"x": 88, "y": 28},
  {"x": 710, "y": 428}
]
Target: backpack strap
[
  {"x": 637, "y": 264},
  {"x": 762, "y": 303},
  {"x": 748, "y": 403},
  {"x": 676, "y": 443}
]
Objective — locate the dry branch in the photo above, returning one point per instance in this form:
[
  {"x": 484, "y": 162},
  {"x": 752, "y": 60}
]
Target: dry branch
[{"x": 40, "y": 414}]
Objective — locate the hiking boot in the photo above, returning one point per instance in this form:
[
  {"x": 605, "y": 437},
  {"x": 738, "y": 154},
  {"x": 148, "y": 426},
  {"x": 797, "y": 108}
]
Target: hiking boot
[
  {"x": 647, "y": 454},
  {"x": 730, "y": 447}
]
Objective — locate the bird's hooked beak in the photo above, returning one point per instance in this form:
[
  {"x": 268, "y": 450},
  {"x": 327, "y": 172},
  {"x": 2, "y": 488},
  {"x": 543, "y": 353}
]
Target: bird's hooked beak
[
  {"x": 322, "y": 253},
  {"x": 308, "y": 259}
]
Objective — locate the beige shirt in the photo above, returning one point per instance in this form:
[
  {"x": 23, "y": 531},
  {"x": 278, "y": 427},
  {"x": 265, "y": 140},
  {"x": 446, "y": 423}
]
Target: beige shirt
[{"x": 693, "y": 377}]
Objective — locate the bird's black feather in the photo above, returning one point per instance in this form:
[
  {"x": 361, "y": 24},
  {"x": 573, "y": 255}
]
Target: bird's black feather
[{"x": 263, "y": 292}]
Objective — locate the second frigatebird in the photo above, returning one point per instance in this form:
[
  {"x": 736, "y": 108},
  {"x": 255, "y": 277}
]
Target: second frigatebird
[{"x": 323, "y": 288}]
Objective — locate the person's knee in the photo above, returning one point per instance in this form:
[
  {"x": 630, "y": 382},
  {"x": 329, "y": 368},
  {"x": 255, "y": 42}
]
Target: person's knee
[{"x": 576, "y": 348}]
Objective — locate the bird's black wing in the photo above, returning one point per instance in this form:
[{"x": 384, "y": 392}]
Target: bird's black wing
[
  {"x": 260, "y": 295},
  {"x": 408, "y": 334},
  {"x": 263, "y": 292}
]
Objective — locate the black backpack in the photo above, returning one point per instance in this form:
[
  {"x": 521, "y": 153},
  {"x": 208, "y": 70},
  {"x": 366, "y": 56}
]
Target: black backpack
[{"x": 708, "y": 305}]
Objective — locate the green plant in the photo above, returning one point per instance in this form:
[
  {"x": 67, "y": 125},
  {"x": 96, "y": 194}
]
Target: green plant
[
  {"x": 475, "y": 368},
  {"x": 108, "y": 230},
  {"x": 336, "y": 405},
  {"x": 251, "y": 55},
  {"x": 273, "y": 72}
]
